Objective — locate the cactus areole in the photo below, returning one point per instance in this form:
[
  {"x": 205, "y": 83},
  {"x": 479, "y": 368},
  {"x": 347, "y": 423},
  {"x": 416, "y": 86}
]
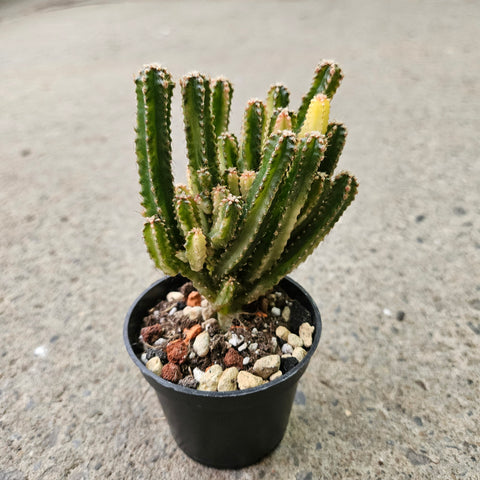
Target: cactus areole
[{"x": 254, "y": 207}]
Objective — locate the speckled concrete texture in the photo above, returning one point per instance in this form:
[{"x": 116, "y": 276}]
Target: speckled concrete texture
[{"x": 393, "y": 390}]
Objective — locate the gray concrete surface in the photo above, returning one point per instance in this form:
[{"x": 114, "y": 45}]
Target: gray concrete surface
[{"x": 383, "y": 398}]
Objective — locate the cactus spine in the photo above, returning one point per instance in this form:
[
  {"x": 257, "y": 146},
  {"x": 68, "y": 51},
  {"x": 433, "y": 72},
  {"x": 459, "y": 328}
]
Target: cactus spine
[{"x": 249, "y": 215}]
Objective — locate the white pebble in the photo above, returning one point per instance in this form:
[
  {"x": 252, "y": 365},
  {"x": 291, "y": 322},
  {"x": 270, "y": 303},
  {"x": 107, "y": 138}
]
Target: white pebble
[
  {"x": 286, "y": 348},
  {"x": 247, "y": 380},
  {"x": 254, "y": 332},
  {"x": 294, "y": 340},
  {"x": 242, "y": 347},
  {"x": 207, "y": 312},
  {"x": 252, "y": 347},
  {"x": 266, "y": 366},
  {"x": 173, "y": 311},
  {"x": 201, "y": 344},
  {"x": 274, "y": 342},
  {"x": 143, "y": 357},
  {"x": 198, "y": 374},
  {"x": 155, "y": 365},
  {"x": 211, "y": 378},
  {"x": 228, "y": 380},
  {"x": 246, "y": 360},
  {"x": 387, "y": 312},
  {"x": 175, "y": 297},
  {"x": 299, "y": 353},
  {"x": 306, "y": 331},
  {"x": 278, "y": 294},
  {"x": 276, "y": 311},
  {"x": 275, "y": 375},
  {"x": 156, "y": 313},
  {"x": 282, "y": 332},
  {"x": 286, "y": 314},
  {"x": 235, "y": 341},
  {"x": 195, "y": 313}
]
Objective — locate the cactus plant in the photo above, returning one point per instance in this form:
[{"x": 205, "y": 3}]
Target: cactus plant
[{"x": 253, "y": 209}]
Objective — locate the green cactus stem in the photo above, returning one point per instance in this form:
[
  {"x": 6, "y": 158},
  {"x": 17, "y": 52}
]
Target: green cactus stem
[
  {"x": 227, "y": 151},
  {"x": 222, "y": 92},
  {"x": 278, "y": 98},
  {"x": 245, "y": 181},
  {"x": 253, "y": 123},
  {"x": 153, "y": 145},
  {"x": 336, "y": 135},
  {"x": 232, "y": 180},
  {"x": 225, "y": 221},
  {"x": 328, "y": 76},
  {"x": 199, "y": 132}
]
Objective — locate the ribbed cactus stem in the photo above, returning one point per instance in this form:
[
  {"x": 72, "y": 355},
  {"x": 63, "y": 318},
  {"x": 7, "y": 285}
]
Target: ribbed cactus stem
[
  {"x": 222, "y": 92},
  {"x": 319, "y": 186},
  {"x": 224, "y": 300},
  {"x": 199, "y": 133},
  {"x": 205, "y": 179},
  {"x": 225, "y": 221},
  {"x": 232, "y": 180},
  {"x": 154, "y": 94},
  {"x": 219, "y": 193},
  {"x": 196, "y": 249},
  {"x": 245, "y": 181},
  {"x": 253, "y": 124},
  {"x": 187, "y": 212},
  {"x": 317, "y": 116},
  {"x": 278, "y": 97},
  {"x": 227, "y": 151},
  {"x": 335, "y": 136},
  {"x": 159, "y": 246}
]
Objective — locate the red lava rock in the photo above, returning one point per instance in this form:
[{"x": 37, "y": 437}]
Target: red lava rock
[
  {"x": 191, "y": 333},
  {"x": 171, "y": 372},
  {"x": 151, "y": 334},
  {"x": 194, "y": 299},
  {"x": 177, "y": 351},
  {"x": 233, "y": 359}
]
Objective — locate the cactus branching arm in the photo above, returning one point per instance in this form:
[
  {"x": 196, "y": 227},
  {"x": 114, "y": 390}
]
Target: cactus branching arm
[{"x": 326, "y": 80}]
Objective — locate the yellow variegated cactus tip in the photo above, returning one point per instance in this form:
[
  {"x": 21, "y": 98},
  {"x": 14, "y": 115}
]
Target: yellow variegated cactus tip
[{"x": 316, "y": 119}]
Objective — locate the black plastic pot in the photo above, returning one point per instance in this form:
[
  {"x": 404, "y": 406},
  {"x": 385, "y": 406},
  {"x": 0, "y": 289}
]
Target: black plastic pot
[{"x": 222, "y": 429}]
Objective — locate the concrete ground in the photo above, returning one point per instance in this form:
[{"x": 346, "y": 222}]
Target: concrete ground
[{"x": 388, "y": 395}]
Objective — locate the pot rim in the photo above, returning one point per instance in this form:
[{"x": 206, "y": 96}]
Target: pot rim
[{"x": 277, "y": 383}]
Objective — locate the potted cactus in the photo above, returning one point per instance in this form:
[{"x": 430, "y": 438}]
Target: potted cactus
[{"x": 252, "y": 211}]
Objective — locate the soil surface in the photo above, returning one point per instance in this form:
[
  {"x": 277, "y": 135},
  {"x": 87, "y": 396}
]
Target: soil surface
[{"x": 172, "y": 332}]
